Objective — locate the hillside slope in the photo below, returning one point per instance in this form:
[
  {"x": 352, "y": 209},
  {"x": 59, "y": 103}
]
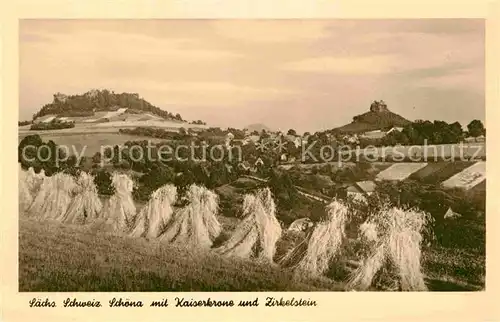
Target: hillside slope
[
  {"x": 59, "y": 258},
  {"x": 55, "y": 257}
]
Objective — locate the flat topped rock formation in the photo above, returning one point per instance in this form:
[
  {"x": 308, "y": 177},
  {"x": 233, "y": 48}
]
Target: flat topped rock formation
[{"x": 378, "y": 107}]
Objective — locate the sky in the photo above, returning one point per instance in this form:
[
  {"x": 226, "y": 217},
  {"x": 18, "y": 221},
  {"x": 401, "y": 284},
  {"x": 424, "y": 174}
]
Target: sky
[{"x": 307, "y": 75}]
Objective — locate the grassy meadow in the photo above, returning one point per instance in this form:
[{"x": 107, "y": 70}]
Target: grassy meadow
[
  {"x": 54, "y": 257},
  {"x": 91, "y": 141},
  {"x": 62, "y": 258}
]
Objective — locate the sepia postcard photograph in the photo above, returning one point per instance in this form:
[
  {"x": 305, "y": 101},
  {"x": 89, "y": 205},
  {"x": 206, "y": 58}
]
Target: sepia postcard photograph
[{"x": 245, "y": 155}]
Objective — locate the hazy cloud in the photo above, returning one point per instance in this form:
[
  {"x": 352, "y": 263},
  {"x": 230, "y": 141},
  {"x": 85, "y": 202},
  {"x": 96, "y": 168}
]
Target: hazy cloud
[
  {"x": 272, "y": 31},
  {"x": 306, "y": 74},
  {"x": 360, "y": 65}
]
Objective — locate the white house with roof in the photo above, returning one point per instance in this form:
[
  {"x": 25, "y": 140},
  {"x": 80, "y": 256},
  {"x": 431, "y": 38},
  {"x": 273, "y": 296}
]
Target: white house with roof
[
  {"x": 259, "y": 162},
  {"x": 245, "y": 166},
  {"x": 296, "y": 140},
  {"x": 301, "y": 224},
  {"x": 481, "y": 138},
  {"x": 360, "y": 190},
  {"x": 375, "y": 134},
  {"x": 450, "y": 214},
  {"x": 304, "y": 140},
  {"x": 394, "y": 128},
  {"x": 351, "y": 138},
  {"x": 250, "y": 139}
]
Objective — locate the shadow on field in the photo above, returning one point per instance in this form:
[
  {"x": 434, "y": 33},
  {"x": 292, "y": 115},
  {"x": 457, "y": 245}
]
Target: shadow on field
[{"x": 445, "y": 286}]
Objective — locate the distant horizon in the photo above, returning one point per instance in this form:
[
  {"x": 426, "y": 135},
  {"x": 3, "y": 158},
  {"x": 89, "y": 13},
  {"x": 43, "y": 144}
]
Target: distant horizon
[{"x": 308, "y": 75}]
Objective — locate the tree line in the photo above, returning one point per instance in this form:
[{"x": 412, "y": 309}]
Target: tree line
[
  {"x": 421, "y": 132},
  {"x": 54, "y": 124}
]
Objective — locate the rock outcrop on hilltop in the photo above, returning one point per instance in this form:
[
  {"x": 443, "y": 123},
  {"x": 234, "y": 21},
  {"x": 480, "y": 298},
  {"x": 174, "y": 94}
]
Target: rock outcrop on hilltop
[
  {"x": 85, "y": 105},
  {"x": 378, "y": 107}
]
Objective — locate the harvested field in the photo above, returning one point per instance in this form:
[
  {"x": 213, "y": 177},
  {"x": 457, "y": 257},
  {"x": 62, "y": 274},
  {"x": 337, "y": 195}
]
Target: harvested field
[
  {"x": 429, "y": 152},
  {"x": 148, "y": 123},
  {"x": 75, "y": 259},
  {"x": 428, "y": 170},
  {"x": 467, "y": 178},
  {"x": 446, "y": 172},
  {"x": 400, "y": 171}
]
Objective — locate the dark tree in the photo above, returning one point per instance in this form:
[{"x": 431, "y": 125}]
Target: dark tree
[
  {"x": 476, "y": 128},
  {"x": 103, "y": 182}
]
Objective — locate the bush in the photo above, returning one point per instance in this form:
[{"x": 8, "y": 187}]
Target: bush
[
  {"x": 230, "y": 206},
  {"x": 152, "y": 132},
  {"x": 156, "y": 177},
  {"x": 53, "y": 125},
  {"x": 33, "y": 152},
  {"x": 124, "y": 164},
  {"x": 23, "y": 123}
]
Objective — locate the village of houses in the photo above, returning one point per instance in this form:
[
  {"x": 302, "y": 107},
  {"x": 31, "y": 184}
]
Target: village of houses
[
  {"x": 264, "y": 148},
  {"x": 466, "y": 176}
]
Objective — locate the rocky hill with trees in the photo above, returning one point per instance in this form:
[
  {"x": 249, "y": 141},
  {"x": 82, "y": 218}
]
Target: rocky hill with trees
[
  {"x": 379, "y": 117},
  {"x": 100, "y": 100}
]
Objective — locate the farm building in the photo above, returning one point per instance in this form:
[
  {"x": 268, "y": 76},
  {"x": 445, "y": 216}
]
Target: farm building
[
  {"x": 360, "y": 190},
  {"x": 245, "y": 166},
  {"x": 259, "y": 162},
  {"x": 376, "y": 134},
  {"x": 450, "y": 214},
  {"x": 395, "y": 128},
  {"x": 351, "y": 138},
  {"x": 300, "y": 224},
  {"x": 472, "y": 139},
  {"x": 250, "y": 139},
  {"x": 296, "y": 140}
]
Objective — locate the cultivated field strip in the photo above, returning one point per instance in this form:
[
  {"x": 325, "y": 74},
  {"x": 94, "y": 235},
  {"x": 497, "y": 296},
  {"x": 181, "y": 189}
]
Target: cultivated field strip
[
  {"x": 400, "y": 171},
  {"x": 468, "y": 178}
]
